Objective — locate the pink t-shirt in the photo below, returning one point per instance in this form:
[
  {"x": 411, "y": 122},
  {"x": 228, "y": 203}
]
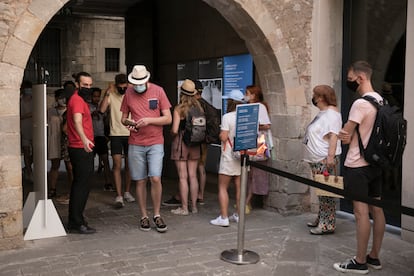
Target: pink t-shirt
[
  {"x": 363, "y": 113},
  {"x": 77, "y": 105},
  {"x": 148, "y": 104}
]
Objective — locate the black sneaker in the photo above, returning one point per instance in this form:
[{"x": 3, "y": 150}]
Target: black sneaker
[
  {"x": 144, "y": 224},
  {"x": 373, "y": 263},
  {"x": 351, "y": 266},
  {"x": 172, "y": 202},
  {"x": 160, "y": 225}
]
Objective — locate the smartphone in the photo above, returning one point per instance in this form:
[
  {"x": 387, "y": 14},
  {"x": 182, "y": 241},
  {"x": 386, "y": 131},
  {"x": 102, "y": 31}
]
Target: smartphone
[{"x": 130, "y": 123}]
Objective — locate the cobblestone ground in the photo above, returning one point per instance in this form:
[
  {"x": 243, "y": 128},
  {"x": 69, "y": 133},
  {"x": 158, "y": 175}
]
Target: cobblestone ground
[{"x": 193, "y": 247}]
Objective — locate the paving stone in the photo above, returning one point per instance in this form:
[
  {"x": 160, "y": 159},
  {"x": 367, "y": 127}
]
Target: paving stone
[{"x": 192, "y": 247}]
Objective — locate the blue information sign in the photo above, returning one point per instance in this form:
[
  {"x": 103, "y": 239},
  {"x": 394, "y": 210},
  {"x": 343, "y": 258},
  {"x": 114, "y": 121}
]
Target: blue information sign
[
  {"x": 247, "y": 116},
  {"x": 237, "y": 72}
]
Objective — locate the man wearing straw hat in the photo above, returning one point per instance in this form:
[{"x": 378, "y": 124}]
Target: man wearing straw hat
[{"x": 149, "y": 110}]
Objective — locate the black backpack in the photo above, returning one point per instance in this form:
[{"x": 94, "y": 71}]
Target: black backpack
[
  {"x": 195, "y": 127},
  {"x": 213, "y": 120},
  {"x": 388, "y": 137}
]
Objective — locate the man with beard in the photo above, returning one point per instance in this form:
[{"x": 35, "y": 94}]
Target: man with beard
[{"x": 81, "y": 144}]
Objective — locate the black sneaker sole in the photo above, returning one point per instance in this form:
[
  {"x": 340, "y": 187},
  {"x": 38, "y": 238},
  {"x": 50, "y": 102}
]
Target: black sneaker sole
[
  {"x": 357, "y": 271},
  {"x": 377, "y": 267},
  {"x": 372, "y": 265}
]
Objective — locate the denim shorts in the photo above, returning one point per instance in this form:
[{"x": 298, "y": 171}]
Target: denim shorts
[{"x": 145, "y": 161}]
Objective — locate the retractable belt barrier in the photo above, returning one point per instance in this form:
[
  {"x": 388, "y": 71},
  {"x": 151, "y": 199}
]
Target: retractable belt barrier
[{"x": 390, "y": 206}]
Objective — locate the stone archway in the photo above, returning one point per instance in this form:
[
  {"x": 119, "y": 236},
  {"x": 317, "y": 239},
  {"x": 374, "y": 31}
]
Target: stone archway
[
  {"x": 24, "y": 22},
  {"x": 284, "y": 77},
  {"x": 283, "y": 65}
]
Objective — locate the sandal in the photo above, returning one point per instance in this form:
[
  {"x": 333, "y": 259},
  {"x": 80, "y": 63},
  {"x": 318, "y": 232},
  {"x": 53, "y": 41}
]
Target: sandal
[{"x": 180, "y": 211}]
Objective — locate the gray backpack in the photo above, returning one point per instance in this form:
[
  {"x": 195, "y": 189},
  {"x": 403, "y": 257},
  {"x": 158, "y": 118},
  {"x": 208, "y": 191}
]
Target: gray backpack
[{"x": 195, "y": 127}]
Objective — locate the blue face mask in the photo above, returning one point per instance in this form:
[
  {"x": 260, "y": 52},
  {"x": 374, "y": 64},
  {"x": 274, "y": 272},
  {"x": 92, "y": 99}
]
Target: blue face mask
[{"x": 140, "y": 88}]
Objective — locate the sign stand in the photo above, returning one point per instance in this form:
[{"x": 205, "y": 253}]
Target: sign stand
[
  {"x": 239, "y": 255},
  {"x": 246, "y": 138},
  {"x": 39, "y": 214}
]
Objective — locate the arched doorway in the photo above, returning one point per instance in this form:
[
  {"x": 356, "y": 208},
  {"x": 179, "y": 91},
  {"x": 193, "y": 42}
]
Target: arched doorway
[{"x": 283, "y": 71}]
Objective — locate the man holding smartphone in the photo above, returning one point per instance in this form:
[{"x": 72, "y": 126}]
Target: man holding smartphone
[{"x": 149, "y": 110}]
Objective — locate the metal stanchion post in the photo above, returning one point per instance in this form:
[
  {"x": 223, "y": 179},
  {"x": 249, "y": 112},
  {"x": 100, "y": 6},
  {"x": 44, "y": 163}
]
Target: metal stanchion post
[{"x": 239, "y": 255}]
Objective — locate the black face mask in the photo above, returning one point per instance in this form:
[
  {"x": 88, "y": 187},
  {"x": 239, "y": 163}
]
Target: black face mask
[
  {"x": 121, "y": 90},
  {"x": 85, "y": 93},
  {"x": 314, "y": 102},
  {"x": 352, "y": 85}
]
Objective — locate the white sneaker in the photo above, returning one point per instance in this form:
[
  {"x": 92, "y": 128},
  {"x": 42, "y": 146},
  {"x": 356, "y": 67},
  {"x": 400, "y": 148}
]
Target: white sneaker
[
  {"x": 219, "y": 221},
  {"x": 128, "y": 197},
  {"x": 234, "y": 218},
  {"x": 119, "y": 202}
]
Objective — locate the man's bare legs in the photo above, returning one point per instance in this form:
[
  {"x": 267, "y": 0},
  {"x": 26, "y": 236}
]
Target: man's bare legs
[
  {"x": 156, "y": 192},
  {"x": 378, "y": 230},
  {"x": 116, "y": 170},
  {"x": 363, "y": 230}
]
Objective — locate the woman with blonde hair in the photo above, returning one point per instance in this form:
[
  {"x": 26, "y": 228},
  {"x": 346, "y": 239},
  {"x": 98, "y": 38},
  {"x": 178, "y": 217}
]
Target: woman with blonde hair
[{"x": 185, "y": 156}]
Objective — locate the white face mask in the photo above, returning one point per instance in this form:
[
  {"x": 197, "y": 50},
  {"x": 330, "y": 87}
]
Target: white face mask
[
  {"x": 61, "y": 102},
  {"x": 140, "y": 88},
  {"x": 246, "y": 98}
]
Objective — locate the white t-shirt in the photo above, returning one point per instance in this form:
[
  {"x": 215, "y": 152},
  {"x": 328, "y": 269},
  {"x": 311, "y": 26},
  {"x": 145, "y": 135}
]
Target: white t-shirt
[
  {"x": 263, "y": 115},
  {"x": 228, "y": 164},
  {"x": 316, "y": 147}
]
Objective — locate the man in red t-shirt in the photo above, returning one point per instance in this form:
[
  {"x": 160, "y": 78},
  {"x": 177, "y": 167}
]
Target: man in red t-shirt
[
  {"x": 81, "y": 143},
  {"x": 149, "y": 108}
]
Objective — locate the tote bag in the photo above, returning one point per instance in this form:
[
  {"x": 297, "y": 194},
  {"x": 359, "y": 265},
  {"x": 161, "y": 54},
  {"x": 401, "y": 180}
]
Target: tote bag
[{"x": 330, "y": 180}]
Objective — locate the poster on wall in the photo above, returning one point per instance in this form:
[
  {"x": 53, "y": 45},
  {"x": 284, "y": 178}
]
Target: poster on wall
[
  {"x": 218, "y": 76},
  {"x": 237, "y": 74},
  {"x": 210, "y": 74},
  {"x": 188, "y": 70}
]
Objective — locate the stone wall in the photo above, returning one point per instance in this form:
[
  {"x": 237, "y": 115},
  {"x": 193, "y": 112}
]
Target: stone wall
[
  {"x": 278, "y": 34},
  {"x": 83, "y": 43}
]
